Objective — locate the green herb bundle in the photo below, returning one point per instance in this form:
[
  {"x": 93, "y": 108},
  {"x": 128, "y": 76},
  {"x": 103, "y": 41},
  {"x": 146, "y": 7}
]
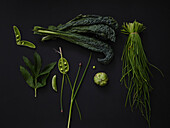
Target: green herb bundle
[{"x": 135, "y": 70}]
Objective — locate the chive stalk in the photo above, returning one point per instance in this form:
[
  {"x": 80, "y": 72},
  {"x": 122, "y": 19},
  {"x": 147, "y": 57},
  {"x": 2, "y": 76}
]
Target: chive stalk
[{"x": 73, "y": 94}]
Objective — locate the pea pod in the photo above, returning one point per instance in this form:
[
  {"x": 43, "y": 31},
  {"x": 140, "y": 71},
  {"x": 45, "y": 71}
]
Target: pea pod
[
  {"x": 21, "y": 42},
  {"x": 54, "y": 84},
  {"x": 17, "y": 34},
  {"x": 63, "y": 65},
  {"x": 26, "y": 43}
]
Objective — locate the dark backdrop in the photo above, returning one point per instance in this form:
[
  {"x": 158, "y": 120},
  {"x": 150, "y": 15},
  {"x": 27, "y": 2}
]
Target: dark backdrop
[{"x": 101, "y": 107}]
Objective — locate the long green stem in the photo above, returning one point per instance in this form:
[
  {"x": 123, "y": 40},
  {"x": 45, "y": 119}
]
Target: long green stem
[
  {"x": 70, "y": 111},
  {"x": 35, "y": 91},
  {"x": 72, "y": 100},
  {"x": 75, "y": 99},
  {"x": 83, "y": 76},
  {"x": 61, "y": 94}
]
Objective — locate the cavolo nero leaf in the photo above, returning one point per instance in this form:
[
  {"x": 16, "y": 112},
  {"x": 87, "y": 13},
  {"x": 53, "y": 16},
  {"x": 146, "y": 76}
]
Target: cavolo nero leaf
[
  {"x": 27, "y": 76},
  {"x": 89, "y": 31}
]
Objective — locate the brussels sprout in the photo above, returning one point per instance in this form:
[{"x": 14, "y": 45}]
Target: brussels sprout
[{"x": 101, "y": 78}]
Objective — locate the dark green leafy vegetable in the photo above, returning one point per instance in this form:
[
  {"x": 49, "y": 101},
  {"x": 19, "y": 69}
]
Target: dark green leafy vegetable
[
  {"x": 36, "y": 78},
  {"x": 21, "y": 42},
  {"x": 135, "y": 70},
  {"x": 100, "y": 31},
  {"x": 88, "y": 20},
  {"x": 89, "y": 31}
]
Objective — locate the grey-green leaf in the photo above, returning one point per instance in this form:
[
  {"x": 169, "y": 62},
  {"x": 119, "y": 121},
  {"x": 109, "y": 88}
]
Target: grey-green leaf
[
  {"x": 27, "y": 76},
  {"x": 48, "y": 68},
  {"x": 37, "y": 64},
  {"x": 17, "y": 34}
]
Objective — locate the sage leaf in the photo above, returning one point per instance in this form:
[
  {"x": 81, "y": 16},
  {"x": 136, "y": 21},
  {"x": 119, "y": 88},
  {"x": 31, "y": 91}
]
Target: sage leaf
[
  {"x": 48, "y": 68},
  {"x": 27, "y": 76},
  {"x": 37, "y": 60}
]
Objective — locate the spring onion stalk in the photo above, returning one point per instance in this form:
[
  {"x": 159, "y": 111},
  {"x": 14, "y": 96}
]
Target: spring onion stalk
[
  {"x": 74, "y": 92},
  {"x": 135, "y": 71}
]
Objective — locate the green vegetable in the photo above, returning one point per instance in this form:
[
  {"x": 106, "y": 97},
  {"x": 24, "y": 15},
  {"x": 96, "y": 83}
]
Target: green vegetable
[
  {"x": 135, "y": 70},
  {"x": 89, "y": 31},
  {"x": 54, "y": 84},
  {"x": 37, "y": 78},
  {"x": 74, "y": 92},
  {"x": 63, "y": 67},
  {"x": 88, "y": 20},
  {"x": 22, "y": 42},
  {"x": 101, "y": 78}
]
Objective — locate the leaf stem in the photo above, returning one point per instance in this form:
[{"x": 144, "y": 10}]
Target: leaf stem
[
  {"x": 61, "y": 94},
  {"x": 35, "y": 91}
]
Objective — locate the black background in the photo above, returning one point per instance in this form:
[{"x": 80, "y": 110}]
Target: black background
[{"x": 101, "y": 107}]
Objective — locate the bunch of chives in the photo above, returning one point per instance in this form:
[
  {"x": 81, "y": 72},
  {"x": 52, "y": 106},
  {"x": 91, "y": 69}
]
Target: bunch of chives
[{"x": 135, "y": 71}]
